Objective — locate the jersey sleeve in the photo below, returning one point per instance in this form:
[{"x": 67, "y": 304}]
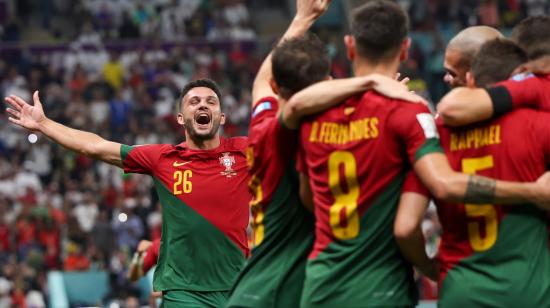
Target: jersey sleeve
[
  {"x": 264, "y": 108},
  {"x": 151, "y": 256},
  {"x": 415, "y": 126},
  {"x": 521, "y": 91},
  {"x": 415, "y": 185},
  {"x": 267, "y": 133},
  {"x": 140, "y": 158}
]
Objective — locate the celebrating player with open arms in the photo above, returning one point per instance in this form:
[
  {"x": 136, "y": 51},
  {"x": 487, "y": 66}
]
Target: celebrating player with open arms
[
  {"x": 357, "y": 154},
  {"x": 202, "y": 186}
]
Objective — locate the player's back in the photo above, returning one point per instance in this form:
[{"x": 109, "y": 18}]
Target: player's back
[
  {"x": 356, "y": 155},
  {"x": 283, "y": 227},
  {"x": 493, "y": 255}
]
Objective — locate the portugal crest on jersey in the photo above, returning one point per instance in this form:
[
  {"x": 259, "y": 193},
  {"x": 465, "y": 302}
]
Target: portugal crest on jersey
[{"x": 227, "y": 161}]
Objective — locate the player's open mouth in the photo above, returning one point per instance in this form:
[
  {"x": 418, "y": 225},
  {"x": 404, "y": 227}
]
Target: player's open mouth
[{"x": 202, "y": 119}]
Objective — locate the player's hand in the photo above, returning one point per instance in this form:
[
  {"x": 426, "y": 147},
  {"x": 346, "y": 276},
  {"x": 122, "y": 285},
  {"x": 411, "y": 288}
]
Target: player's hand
[
  {"x": 393, "y": 89},
  {"x": 311, "y": 9},
  {"x": 25, "y": 115},
  {"x": 540, "y": 66},
  {"x": 143, "y": 246},
  {"x": 543, "y": 191},
  {"x": 404, "y": 81}
]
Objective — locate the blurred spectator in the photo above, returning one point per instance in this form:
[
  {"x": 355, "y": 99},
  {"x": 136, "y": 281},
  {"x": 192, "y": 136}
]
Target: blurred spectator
[
  {"x": 113, "y": 72},
  {"x": 76, "y": 260}
]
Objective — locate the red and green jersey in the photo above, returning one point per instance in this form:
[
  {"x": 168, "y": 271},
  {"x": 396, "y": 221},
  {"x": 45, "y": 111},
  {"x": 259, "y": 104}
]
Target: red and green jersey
[
  {"x": 204, "y": 197},
  {"x": 283, "y": 228},
  {"x": 492, "y": 255},
  {"x": 523, "y": 91},
  {"x": 356, "y": 155}
]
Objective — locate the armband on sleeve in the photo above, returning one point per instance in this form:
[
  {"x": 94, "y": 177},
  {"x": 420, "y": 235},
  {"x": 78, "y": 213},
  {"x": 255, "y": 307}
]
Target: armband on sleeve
[{"x": 501, "y": 100}]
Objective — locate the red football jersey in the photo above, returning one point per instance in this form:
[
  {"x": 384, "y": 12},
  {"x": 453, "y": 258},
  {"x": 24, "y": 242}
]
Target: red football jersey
[
  {"x": 204, "y": 196},
  {"x": 524, "y": 91},
  {"x": 356, "y": 156},
  {"x": 477, "y": 239}
]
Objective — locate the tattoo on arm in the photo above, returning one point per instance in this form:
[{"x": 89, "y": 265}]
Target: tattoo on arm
[{"x": 480, "y": 190}]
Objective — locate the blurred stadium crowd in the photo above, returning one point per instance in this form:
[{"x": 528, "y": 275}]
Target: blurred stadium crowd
[{"x": 63, "y": 211}]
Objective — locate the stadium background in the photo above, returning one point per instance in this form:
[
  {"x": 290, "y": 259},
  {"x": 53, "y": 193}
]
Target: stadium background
[{"x": 115, "y": 68}]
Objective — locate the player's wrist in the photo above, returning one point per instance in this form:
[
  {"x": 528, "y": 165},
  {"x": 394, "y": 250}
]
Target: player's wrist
[
  {"x": 302, "y": 23},
  {"x": 43, "y": 124}
]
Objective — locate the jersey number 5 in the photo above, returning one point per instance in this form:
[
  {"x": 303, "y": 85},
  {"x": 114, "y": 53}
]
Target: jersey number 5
[
  {"x": 182, "y": 182},
  {"x": 477, "y": 212},
  {"x": 342, "y": 179}
]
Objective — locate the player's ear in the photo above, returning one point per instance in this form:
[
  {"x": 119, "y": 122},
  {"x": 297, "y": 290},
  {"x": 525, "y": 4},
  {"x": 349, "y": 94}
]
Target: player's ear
[
  {"x": 349, "y": 42},
  {"x": 222, "y": 119},
  {"x": 329, "y": 77},
  {"x": 180, "y": 118},
  {"x": 470, "y": 80},
  {"x": 404, "y": 53},
  {"x": 274, "y": 86}
]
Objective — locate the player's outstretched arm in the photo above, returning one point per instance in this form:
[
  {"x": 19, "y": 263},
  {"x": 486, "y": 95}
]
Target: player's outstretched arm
[
  {"x": 32, "y": 117},
  {"x": 463, "y": 106},
  {"x": 408, "y": 233},
  {"x": 328, "y": 93},
  {"x": 307, "y": 11},
  {"x": 447, "y": 185}
]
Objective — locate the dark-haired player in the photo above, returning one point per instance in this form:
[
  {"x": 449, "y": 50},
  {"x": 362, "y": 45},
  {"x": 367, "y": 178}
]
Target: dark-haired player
[
  {"x": 491, "y": 255},
  {"x": 526, "y": 90},
  {"x": 202, "y": 185},
  {"x": 356, "y": 155},
  {"x": 283, "y": 227}
]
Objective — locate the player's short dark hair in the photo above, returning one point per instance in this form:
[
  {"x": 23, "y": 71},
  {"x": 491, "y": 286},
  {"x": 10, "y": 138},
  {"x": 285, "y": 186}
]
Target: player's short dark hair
[
  {"x": 532, "y": 35},
  {"x": 206, "y": 83},
  {"x": 496, "y": 60},
  {"x": 298, "y": 63},
  {"x": 379, "y": 28}
]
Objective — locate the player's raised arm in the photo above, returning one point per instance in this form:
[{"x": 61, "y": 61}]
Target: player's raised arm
[
  {"x": 457, "y": 107},
  {"x": 408, "y": 232},
  {"x": 32, "y": 117},
  {"x": 307, "y": 11},
  {"x": 447, "y": 185},
  {"x": 463, "y": 106},
  {"x": 325, "y": 94}
]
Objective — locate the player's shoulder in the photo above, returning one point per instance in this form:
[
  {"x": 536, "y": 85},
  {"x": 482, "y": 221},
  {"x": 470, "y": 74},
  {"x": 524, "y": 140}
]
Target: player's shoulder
[
  {"x": 236, "y": 143},
  {"x": 159, "y": 147},
  {"x": 526, "y": 118},
  {"x": 372, "y": 97},
  {"x": 264, "y": 104}
]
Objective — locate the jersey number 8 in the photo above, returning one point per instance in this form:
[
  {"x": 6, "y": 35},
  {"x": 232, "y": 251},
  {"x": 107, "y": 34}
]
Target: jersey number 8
[{"x": 342, "y": 179}]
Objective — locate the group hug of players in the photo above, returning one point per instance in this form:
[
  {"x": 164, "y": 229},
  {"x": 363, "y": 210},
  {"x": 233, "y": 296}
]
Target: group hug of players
[{"x": 341, "y": 173}]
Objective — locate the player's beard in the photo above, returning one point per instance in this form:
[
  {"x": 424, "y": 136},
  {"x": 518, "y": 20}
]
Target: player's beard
[{"x": 199, "y": 137}]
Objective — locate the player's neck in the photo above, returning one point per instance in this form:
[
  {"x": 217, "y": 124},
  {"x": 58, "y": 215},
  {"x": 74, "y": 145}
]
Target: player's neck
[
  {"x": 363, "y": 68},
  {"x": 209, "y": 144}
]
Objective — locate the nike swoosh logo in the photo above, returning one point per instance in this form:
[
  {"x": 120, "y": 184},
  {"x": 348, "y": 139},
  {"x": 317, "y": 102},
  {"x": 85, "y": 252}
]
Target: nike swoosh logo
[{"x": 176, "y": 164}]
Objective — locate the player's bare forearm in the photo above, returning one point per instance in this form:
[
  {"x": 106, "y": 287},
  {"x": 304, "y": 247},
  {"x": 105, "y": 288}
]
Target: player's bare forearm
[
  {"x": 463, "y": 106},
  {"x": 32, "y": 117},
  {"x": 307, "y": 11},
  {"x": 408, "y": 234},
  {"x": 321, "y": 96},
  {"x": 85, "y": 143},
  {"x": 447, "y": 185}
]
